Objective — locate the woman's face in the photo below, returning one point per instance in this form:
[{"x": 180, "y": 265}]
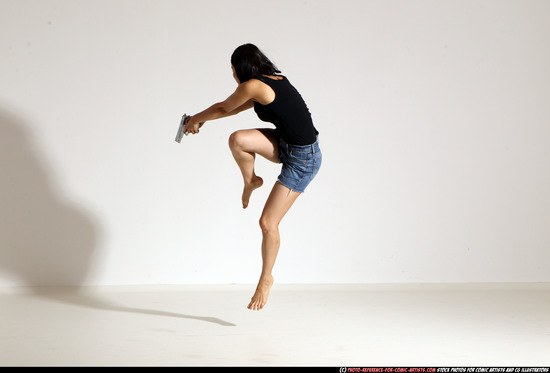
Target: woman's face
[{"x": 235, "y": 75}]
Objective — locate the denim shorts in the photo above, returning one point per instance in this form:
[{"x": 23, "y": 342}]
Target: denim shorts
[{"x": 300, "y": 164}]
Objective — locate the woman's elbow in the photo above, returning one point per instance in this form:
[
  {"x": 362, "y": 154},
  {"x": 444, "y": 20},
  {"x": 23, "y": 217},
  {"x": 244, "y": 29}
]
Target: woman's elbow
[{"x": 222, "y": 109}]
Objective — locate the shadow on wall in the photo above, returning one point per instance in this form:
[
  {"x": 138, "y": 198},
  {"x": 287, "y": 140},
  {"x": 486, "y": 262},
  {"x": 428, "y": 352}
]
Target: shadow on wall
[{"x": 44, "y": 239}]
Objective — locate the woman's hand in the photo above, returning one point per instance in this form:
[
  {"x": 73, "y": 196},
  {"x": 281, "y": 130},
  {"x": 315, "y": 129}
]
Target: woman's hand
[{"x": 192, "y": 126}]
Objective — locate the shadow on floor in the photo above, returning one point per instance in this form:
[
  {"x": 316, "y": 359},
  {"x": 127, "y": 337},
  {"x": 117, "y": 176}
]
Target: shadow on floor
[{"x": 77, "y": 297}]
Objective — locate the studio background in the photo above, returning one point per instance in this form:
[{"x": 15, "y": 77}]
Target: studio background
[{"x": 433, "y": 118}]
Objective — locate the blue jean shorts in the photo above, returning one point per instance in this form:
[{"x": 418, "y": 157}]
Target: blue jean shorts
[{"x": 300, "y": 164}]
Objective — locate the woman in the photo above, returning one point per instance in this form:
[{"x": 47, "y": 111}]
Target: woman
[{"x": 293, "y": 143}]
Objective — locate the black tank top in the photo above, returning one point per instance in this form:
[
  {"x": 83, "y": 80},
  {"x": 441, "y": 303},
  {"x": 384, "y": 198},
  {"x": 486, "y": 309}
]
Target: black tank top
[{"x": 288, "y": 112}]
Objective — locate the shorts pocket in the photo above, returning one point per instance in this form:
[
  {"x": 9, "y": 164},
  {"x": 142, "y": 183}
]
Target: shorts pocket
[{"x": 300, "y": 157}]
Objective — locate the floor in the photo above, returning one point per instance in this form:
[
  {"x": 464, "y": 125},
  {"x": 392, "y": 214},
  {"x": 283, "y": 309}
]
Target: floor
[{"x": 302, "y": 325}]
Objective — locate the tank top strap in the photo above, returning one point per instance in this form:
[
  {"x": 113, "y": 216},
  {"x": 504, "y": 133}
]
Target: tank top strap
[
  {"x": 269, "y": 81},
  {"x": 264, "y": 79}
]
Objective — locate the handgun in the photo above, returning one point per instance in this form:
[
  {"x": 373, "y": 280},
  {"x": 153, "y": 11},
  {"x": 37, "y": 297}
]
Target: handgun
[{"x": 181, "y": 129}]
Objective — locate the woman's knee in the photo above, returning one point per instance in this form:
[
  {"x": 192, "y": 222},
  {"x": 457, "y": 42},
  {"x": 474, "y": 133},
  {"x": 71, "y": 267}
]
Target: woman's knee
[
  {"x": 237, "y": 139},
  {"x": 268, "y": 224},
  {"x": 257, "y": 141}
]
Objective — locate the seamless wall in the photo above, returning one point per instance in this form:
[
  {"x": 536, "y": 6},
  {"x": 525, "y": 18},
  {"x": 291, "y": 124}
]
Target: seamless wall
[{"x": 434, "y": 122}]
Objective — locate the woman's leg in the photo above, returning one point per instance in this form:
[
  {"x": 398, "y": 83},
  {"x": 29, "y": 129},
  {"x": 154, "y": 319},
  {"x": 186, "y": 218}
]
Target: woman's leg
[
  {"x": 245, "y": 144},
  {"x": 279, "y": 202}
]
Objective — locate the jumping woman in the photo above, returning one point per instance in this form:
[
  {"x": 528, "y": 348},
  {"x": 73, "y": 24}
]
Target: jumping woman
[{"x": 293, "y": 143}]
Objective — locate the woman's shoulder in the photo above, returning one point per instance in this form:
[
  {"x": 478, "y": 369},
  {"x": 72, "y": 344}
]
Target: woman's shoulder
[{"x": 260, "y": 89}]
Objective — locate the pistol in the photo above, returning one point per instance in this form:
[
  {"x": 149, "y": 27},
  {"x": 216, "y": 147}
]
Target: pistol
[{"x": 181, "y": 129}]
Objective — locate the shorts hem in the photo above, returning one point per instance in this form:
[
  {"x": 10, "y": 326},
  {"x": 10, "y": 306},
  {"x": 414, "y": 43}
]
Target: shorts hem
[{"x": 292, "y": 189}]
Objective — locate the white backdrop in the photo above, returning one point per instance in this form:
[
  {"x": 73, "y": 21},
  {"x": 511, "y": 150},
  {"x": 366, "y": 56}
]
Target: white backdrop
[{"x": 434, "y": 120}]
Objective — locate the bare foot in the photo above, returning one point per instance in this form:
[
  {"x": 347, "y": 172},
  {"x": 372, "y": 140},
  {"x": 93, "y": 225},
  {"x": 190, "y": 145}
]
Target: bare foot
[
  {"x": 249, "y": 188},
  {"x": 259, "y": 299}
]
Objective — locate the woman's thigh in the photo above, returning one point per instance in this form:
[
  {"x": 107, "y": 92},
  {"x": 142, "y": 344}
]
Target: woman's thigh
[
  {"x": 262, "y": 141},
  {"x": 277, "y": 205}
]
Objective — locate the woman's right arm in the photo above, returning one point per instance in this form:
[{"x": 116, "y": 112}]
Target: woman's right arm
[
  {"x": 242, "y": 99},
  {"x": 247, "y": 105}
]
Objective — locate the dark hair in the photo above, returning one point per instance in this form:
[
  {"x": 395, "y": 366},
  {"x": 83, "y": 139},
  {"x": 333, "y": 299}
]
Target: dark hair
[{"x": 250, "y": 62}]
